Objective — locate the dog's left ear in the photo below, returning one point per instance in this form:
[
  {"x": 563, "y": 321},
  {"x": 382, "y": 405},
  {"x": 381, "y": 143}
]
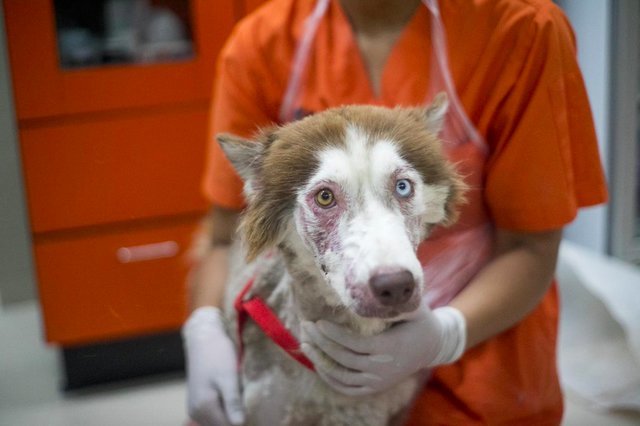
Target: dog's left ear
[
  {"x": 455, "y": 198},
  {"x": 262, "y": 222},
  {"x": 435, "y": 113},
  {"x": 244, "y": 154}
]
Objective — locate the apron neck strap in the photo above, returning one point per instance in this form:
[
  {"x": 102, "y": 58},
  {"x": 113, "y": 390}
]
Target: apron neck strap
[
  {"x": 300, "y": 60},
  {"x": 440, "y": 78}
]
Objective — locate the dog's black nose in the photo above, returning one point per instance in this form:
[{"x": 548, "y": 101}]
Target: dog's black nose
[{"x": 394, "y": 288}]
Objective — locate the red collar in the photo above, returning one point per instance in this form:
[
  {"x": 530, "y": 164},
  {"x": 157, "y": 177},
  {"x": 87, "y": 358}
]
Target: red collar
[{"x": 269, "y": 323}]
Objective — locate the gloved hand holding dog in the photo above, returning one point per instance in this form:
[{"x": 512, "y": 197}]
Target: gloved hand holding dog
[
  {"x": 213, "y": 395},
  {"x": 356, "y": 365}
]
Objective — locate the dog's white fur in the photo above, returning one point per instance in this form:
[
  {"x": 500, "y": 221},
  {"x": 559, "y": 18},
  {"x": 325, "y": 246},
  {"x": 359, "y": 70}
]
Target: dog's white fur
[{"x": 320, "y": 261}]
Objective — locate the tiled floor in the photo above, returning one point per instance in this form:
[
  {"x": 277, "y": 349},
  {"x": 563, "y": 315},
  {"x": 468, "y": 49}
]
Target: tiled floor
[
  {"x": 30, "y": 396},
  {"x": 29, "y": 386}
]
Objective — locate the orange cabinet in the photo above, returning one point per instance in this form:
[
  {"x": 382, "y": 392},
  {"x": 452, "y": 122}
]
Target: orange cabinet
[
  {"x": 43, "y": 88},
  {"x": 112, "y": 114},
  {"x": 127, "y": 167},
  {"x": 114, "y": 283}
]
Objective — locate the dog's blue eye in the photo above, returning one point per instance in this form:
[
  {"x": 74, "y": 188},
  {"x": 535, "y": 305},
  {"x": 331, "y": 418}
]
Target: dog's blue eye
[{"x": 404, "y": 188}]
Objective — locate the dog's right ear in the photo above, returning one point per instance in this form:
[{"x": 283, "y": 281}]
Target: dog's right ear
[
  {"x": 244, "y": 154},
  {"x": 436, "y": 112}
]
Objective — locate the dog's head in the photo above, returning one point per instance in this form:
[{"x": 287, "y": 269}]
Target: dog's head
[{"x": 355, "y": 189}]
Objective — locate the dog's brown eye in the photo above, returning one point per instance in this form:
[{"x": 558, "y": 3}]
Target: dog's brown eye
[{"x": 324, "y": 198}]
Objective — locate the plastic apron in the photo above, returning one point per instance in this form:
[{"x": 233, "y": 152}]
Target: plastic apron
[{"x": 450, "y": 257}]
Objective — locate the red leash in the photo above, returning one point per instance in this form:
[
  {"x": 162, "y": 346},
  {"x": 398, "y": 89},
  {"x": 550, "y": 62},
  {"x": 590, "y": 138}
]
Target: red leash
[{"x": 269, "y": 323}]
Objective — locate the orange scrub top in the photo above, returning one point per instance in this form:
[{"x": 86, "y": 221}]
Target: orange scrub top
[{"x": 514, "y": 66}]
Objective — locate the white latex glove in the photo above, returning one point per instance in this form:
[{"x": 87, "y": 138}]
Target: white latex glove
[
  {"x": 356, "y": 365},
  {"x": 213, "y": 396}
]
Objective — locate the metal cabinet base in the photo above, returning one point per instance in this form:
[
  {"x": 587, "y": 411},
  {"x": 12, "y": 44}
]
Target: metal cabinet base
[{"x": 123, "y": 359}]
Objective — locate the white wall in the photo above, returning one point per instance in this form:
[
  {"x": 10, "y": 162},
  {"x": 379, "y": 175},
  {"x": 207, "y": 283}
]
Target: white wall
[
  {"x": 591, "y": 20},
  {"x": 16, "y": 265}
]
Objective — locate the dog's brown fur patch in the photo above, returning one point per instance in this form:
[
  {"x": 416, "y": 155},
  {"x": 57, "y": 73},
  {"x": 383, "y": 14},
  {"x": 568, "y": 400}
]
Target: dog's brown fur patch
[
  {"x": 419, "y": 145},
  {"x": 289, "y": 157}
]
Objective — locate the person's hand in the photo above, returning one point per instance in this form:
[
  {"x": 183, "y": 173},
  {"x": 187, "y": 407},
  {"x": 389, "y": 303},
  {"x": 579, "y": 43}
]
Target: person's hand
[
  {"x": 356, "y": 365},
  {"x": 213, "y": 396}
]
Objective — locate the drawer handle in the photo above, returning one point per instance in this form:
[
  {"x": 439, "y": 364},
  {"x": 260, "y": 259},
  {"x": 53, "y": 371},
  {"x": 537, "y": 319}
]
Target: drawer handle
[{"x": 147, "y": 252}]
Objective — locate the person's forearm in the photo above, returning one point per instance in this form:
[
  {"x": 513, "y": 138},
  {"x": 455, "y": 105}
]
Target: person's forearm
[
  {"x": 207, "y": 278},
  {"x": 510, "y": 286},
  {"x": 208, "y": 275}
]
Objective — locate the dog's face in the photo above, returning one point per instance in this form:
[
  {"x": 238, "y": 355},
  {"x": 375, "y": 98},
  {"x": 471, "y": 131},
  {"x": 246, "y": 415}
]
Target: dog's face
[{"x": 359, "y": 188}]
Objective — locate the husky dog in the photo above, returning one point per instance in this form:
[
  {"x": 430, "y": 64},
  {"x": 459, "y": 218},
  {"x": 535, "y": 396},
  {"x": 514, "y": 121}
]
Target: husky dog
[{"x": 337, "y": 204}]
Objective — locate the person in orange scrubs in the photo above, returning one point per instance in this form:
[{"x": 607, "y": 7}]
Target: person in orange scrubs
[{"x": 511, "y": 66}]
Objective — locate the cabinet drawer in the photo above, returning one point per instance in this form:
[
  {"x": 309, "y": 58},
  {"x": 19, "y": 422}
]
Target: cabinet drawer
[
  {"x": 93, "y": 172},
  {"x": 113, "y": 284}
]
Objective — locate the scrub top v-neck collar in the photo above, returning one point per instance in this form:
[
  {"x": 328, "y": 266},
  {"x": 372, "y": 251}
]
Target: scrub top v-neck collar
[
  {"x": 410, "y": 53},
  {"x": 402, "y": 50}
]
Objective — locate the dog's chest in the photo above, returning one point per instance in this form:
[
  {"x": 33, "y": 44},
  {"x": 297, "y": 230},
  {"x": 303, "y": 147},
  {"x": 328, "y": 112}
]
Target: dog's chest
[{"x": 277, "y": 390}]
